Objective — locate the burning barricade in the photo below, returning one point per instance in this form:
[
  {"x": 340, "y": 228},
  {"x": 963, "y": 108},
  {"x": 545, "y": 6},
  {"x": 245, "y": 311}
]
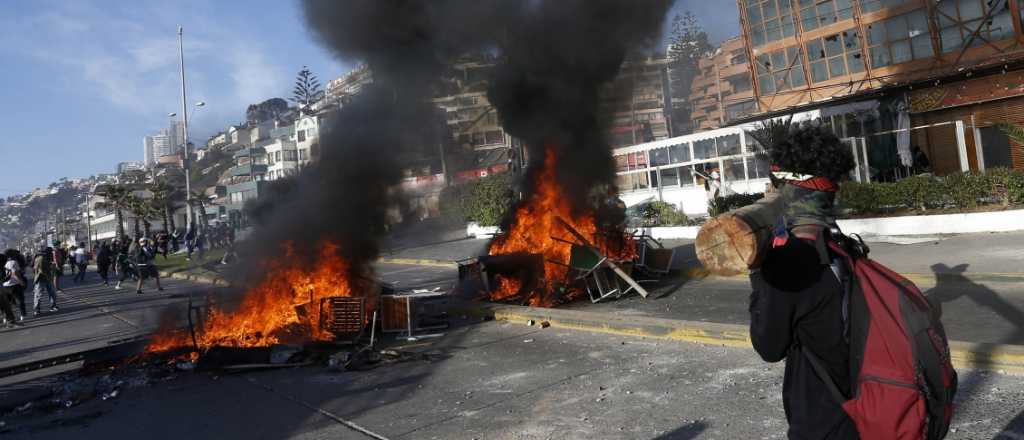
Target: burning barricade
[
  {"x": 553, "y": 254},
  {"x": 294, "y": 304}
]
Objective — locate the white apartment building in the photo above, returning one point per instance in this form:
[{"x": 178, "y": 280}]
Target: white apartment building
[
  {"x": 282, "y": 158},
  {"x": 307, "y": 135}
]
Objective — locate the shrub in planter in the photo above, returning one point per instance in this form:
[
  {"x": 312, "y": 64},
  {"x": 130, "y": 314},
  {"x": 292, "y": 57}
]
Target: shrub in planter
[
  {"x": 920, "y": 193},
  {"x": 721, "y": 205},
  {"x": 966, "y": 189},
  {"x": 491, "y": 197},
  {"x": 1006, "y": 186},
  {"x": 666, "y": 214},
  {"x": 483, "y": 201},
  {"x": 861, "y": 198}
]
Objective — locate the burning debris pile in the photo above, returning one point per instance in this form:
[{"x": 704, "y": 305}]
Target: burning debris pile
[
  {"x": 538, "y": 230},
  {"x": 286, "y": 307},
  {"x": 547, "y": 91}
]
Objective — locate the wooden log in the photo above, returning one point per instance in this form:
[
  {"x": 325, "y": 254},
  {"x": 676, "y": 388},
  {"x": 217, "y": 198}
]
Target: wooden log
[{"x": 735, "y": 242}]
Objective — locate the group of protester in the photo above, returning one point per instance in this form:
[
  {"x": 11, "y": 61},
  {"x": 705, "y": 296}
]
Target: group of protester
[{"x": 117, "y": 260}]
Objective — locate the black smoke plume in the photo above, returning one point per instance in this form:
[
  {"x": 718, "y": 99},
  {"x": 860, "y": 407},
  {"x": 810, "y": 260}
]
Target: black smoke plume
[
  {"x": 548, "y": 87},
  {"x": 555, "y": 56}
]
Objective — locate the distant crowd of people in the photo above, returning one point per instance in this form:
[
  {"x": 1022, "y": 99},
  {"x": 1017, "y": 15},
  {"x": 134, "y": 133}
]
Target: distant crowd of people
[{"x": 42, "y": 270}]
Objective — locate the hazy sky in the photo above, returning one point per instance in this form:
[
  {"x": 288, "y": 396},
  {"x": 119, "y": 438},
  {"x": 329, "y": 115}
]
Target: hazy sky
[{"x": 84, "y": 80}]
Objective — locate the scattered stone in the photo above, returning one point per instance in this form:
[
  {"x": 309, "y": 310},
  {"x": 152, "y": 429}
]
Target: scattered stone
[
  {"x": 281, "y": 354},
  {"x": 629, "y": 392},
  {"x": 185, "y": 366},
  {"x": 531, "y": 323},
  {"x": 24, "y": 407},
  {"x": 545, "y": 324},
  {"x": 527, "y": 340},
  {"x": 110, "y": 395},
  {"x": 338, "y": 360}
]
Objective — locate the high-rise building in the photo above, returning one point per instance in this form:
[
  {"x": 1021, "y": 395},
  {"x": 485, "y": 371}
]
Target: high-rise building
[
  {"x": 639, "y": 99},
  {"x": 722, "y": 91},
  {"x": 147, "y": 151},
  {"x": 948, "y": 73},
  {"x": 176, "y": 136}
]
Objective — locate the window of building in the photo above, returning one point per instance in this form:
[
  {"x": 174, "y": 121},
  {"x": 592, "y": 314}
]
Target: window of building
[
  {"x": 659, "y": 157},
  {"x": 494, "y": 137},
  {"x": 301, "y": 135},
  {"x": 900, "y": 39},
  {"x": 740, "y": 109},
  {"x": 877, "y": 5},
  {"x": 277, "y": 156},
  {"x": 633, "y": 181},
  {"x": 740, "y": 58},
  {"x": 759, "y": 167},
  {"x": 310, "y": 133},
  {"x": 835, "y": 55},
  {"x": 631, "y": 161},
  {"x": 740, "y": 82},
  {"x": 303, "y": 154},
  {"x": 270, "y": 158},
  {"x": 959, "y": 19},
  {"x": 728, "y": 145},
  {"x": 818, "y": 13},
  {"x": 705, "y": 149},
  {"x": 780, "y": 70},
  {"x": 291, "y": 155},
  {"x": 697, "y": 122},
  {"x": 769, "y": 20},
  {"x": 679, "y": 153},
  {"x": 734, "y": 170}
]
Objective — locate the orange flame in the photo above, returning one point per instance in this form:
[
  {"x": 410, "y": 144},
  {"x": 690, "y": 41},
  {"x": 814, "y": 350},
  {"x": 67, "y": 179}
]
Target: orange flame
[
  {"x": 283, "y": 308},
  {"x": 535, "y": 230}
]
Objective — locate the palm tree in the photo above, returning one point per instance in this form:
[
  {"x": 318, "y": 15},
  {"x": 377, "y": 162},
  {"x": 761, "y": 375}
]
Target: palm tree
[
  {"x": 144, "y": 210},
  {"x": 164, "y": 197},
  {"x": 199, "y": 200},
  {"x": 118, "y": 198}
]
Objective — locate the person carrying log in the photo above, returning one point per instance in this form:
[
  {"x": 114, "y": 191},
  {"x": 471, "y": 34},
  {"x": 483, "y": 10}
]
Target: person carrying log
[{"x": 796, "y": 307}]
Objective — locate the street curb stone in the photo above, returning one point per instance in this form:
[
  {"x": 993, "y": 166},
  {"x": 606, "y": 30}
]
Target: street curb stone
[
  {"x": 418, "y": 262},
  {"x": 1003, "y": 358},
  {"x": 205, "y": 279}
]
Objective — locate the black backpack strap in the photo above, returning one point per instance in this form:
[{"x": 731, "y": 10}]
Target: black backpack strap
[{"x": 822, "y": 373}]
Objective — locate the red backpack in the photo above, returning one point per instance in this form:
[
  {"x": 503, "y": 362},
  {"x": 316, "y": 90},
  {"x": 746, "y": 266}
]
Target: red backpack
[{"x": 903, "y": 378}]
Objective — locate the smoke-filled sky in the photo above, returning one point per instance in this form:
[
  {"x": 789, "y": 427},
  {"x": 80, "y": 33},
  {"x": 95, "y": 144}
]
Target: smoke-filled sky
[{"x": 83, "y": 82}]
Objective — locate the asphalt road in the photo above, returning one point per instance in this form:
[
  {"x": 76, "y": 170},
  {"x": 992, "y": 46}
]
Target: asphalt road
[
  {"x": 92, "y": 315},
  {"x": 493, "y": 381}
]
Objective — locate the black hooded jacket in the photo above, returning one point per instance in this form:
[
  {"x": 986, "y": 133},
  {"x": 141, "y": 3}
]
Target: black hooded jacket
[{"x": 796, "y": 305}]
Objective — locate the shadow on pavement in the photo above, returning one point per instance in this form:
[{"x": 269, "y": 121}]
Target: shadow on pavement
[
  {"x": 944, "y": 291},
  {"x": 685, "y": 432}
]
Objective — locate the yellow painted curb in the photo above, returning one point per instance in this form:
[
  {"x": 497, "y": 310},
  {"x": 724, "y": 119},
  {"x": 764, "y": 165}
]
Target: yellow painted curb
[
  {"x": 920, "y": 279},
  {"x": 418, "y": 262},
  {"x": 1003, "y": 358}
]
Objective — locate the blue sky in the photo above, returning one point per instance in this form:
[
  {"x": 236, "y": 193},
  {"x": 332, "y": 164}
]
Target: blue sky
[{"x": 84, "y": 80}]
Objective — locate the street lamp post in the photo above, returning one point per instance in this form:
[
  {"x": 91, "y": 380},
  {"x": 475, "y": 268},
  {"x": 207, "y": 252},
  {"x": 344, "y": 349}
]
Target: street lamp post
[{"x": 184, "y": 119}]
